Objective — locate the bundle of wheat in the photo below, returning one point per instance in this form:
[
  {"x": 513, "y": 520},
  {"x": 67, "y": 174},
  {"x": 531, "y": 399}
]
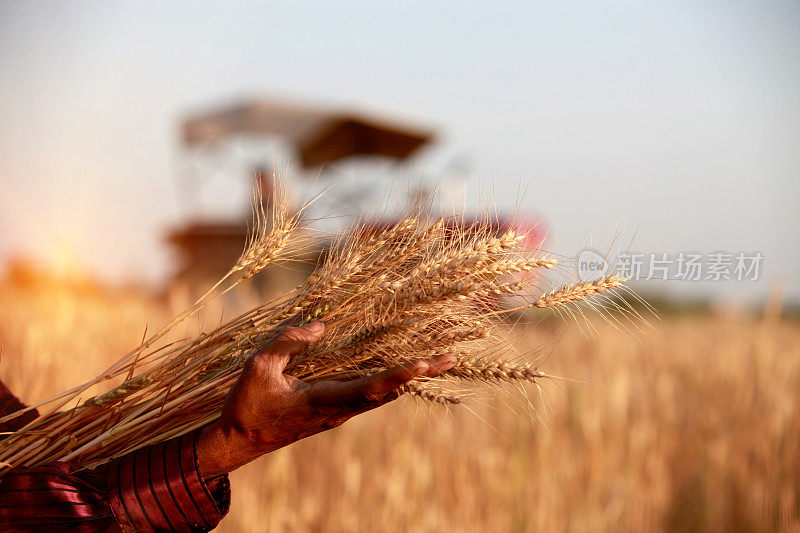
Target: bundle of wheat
[{"x": 418, "y": 288}]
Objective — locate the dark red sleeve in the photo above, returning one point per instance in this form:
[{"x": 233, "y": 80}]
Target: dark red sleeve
[{"x": 157, "y": 488}]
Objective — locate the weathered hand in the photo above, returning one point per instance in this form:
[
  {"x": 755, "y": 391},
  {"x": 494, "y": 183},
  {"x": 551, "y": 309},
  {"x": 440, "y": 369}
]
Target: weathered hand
[{"x": 267, "y": 409}]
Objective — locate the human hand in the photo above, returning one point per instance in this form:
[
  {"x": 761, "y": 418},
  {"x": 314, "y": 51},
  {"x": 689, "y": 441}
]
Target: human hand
[{"x": 267, "y": 409}]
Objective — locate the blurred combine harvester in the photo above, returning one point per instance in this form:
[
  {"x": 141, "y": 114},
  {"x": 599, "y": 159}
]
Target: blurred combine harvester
[
  {"x": 319, "y": 145},
  {"x": 318, "y": 136}
]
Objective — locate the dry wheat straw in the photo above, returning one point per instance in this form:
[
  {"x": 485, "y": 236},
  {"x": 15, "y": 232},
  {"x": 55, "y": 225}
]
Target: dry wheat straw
[{"x": 387, "y": 296}]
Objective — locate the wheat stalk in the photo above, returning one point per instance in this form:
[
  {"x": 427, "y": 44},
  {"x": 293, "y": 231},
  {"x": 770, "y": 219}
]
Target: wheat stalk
[
  {"x": 387, "y": 296},
  {"x": 580, "y": 291}
]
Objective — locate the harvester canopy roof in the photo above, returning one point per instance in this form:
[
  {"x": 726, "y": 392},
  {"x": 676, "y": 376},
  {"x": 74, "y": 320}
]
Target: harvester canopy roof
[{"x": 319, "y": 136}]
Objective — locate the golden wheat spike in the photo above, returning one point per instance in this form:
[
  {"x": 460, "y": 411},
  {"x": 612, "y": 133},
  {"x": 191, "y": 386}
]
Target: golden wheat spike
[{"x": 388, "y": 296}]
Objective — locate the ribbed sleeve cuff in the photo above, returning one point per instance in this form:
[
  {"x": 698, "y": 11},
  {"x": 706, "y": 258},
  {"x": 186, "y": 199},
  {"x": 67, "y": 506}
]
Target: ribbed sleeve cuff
[{"x": 159, "y": 488}]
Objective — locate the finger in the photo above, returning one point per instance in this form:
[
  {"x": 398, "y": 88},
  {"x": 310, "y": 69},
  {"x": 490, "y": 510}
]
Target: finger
[
  {"x": 377, "y": 389},
  {"x": 363, "y": 394},
  {"x": 289, "y": 343},
  {"x": 293, "y": 341},
  {"x": 439, "y": 364},
  {"x": 392, "y": 378}
]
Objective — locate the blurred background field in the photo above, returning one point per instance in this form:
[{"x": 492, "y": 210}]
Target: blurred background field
[
  {"x": 131, "y": 135},
  {"x": 691, "y": 427}
]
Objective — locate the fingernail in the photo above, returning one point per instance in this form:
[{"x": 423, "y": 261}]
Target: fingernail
[
  {"x": 419, "y": 368},
  {"x": 316, "y": 327}
]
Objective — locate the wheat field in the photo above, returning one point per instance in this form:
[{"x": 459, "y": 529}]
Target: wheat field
[{"x": 690, "y": 425}]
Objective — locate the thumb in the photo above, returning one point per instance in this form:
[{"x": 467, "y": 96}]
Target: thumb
[{"x": 290, "y": 342}]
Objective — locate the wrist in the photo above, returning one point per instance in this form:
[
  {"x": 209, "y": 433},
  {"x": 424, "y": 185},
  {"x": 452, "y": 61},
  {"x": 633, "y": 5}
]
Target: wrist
[{"x": 218, "y": 449}]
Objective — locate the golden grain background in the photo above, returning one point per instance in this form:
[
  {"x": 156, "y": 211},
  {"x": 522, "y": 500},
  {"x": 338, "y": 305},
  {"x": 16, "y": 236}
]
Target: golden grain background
[{"x": 691, "y": 425}]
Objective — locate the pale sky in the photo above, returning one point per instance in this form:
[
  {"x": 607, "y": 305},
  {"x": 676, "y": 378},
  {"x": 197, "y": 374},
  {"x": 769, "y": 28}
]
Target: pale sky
[{"x": 678, "y": 122}]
